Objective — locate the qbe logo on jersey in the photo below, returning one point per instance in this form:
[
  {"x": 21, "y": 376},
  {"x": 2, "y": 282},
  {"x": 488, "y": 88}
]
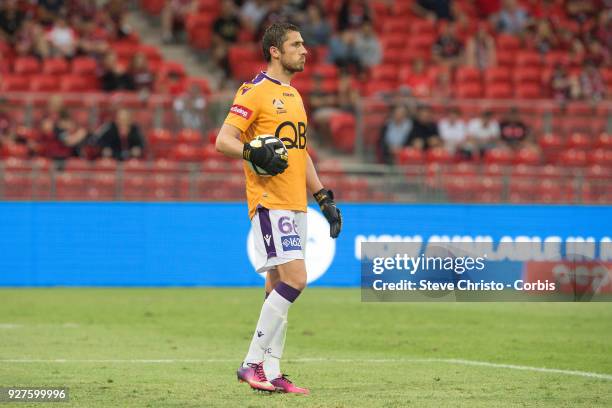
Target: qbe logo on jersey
[{"x": 320, "y": 248}]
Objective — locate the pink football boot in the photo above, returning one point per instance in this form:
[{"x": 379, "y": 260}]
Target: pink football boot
[
  {"x": 253, "y": 374},
  {"x": 283, "y": 384}
]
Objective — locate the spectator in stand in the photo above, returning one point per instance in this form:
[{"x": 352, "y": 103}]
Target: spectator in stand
[
  {"x": 582, "y": 10},
  {"x": 487, "y": 8},
  {"x": 252, "y": 13},
  {"x": 326, "y": 104},
  {"x": 514, "y": 132},
  {"x": 448, "y": 49},
  {"x": 62, "y": 138},
  {"x": 424, "y": 133},
  {"x": 113, "y": 76},
  {"x": 419, "y": 82},
  {"x": 343, "y": 52},
  {"x": 562, "y": 86},
  {"x": 368, "y": 46},
  {"x": 277, "y": 12},
  {"x": 49, "y": 10},
  {"x": 190, "y": 108},
  {"x": 62, "y": 39},
  {"x": 93, "y": 40},
  {"x": 121, "y": 139},
  {"x": 394, "y": 134},
  {"x": 544, "y": 39},
  {"x": 31, "y": 40},
  {"x": 483, "y": 133},
  {"x": 139, "y": 77},
  {"x": 315, "y": 29},
  {"x": 597, "y": 53},
  {"x": 225, "y": 32},
  {"x": 11, "y": 19},
  {"x": 592, "y": 85},
  {"x": 7, "y": 127},
  {"x": 353, "y": 14},
  {"x": 453, "y": 130},
  {"x": 512, "y": 19},
  {"x": 434, "y": 10},
  {"x": 173, "y": 17},
  {"x": 548, "y": 9},
  {"x": 603, "y": 30},
  {"x": 480, "y": 50}
]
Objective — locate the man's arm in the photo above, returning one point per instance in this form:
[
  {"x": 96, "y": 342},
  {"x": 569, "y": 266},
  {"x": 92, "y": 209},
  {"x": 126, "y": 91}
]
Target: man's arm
[{"x": 228, "y": 141}]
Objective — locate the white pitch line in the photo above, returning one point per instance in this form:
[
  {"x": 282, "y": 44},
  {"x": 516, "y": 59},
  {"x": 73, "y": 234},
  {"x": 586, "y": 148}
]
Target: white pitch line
[{"x": 587, "y": 374}]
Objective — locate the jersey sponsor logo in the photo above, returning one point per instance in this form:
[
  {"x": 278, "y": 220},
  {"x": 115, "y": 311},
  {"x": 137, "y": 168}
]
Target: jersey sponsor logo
[
  {"x": 267, "y": 237},
  {"x": 288, "y": 94},
  {"x": 245, "y": 90},
  {"x": 294, "y": 137},
  {"x": 241, "y": 111},
  {"x": 291, "y": 243}
]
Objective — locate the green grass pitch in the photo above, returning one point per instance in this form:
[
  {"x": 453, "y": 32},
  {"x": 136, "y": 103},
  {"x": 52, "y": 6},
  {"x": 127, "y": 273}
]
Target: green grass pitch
[{"x": 350, "y": 354}]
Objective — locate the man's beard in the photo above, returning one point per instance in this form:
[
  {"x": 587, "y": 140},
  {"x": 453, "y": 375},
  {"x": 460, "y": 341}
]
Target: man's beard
[{"x": 292, "y": 69}]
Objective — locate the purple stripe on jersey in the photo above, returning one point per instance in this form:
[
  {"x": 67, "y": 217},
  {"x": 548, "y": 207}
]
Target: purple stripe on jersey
[
  {"x": 260, "y": 77},
  {"x": 277, "y": 82},
  {"x": 287, "y": 291},
  {"x": 266, "y": 231}
]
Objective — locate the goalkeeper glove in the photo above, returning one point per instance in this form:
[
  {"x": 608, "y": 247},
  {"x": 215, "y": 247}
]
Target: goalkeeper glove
[
  {"x": 325, "y": 198},
  {"x": 265, "y": 156}
]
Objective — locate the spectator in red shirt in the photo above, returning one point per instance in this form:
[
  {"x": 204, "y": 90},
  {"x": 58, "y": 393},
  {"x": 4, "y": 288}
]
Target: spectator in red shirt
[
  {"x": 419, "y": 81},
  {"x": 61, "y": 139}
]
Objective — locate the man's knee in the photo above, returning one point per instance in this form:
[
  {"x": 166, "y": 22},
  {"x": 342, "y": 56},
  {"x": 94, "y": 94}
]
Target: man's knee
[{"x": 294, "y": 274}]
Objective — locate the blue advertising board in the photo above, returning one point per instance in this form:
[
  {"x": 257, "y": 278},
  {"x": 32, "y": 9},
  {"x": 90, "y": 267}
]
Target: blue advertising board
[{"x": 206, "y": 244}]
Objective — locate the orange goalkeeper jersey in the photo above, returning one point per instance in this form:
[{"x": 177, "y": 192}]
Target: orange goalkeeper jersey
[{"x": 266, "y": 106}]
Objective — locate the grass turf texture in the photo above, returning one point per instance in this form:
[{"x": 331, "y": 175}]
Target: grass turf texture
[{"x": 216, "y": 324}]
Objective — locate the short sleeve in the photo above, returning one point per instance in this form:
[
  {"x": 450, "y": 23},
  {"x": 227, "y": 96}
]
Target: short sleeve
[{"x": 244, "y": 109}]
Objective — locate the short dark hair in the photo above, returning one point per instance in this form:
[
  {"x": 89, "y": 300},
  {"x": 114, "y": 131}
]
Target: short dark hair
[{"x": 274, "y": 36}]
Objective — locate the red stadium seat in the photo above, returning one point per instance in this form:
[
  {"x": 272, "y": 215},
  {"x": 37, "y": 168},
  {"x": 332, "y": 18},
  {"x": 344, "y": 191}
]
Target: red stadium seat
[
  {"x": 55, "y": 66},
  {"x": 508, "y": 42},
  {"x": 26, "y": 66},
  {"x": 75, "y": 164},
  {"x": 84, "y": 66},
  {"x": 604, "y": 140},
  {"x": 573, "y": 157},
  {"x": 189, "y": 137},
  {"x": 14, "y": 83},
  {"x": 408, "y": 156},
  {"x": 499, "y": 155},
  {"x": 527, "y": 156},
  {"x": 601, "y": 157},
  {"x": 44, "y": 83},
  {"x": 499, "y": 90},
  {"x": 77, "y": 83},
  {"x": 528, "y": 91},
  {"x": 551, "y": 141},
  {"x": 185, "y": 153},
  {"x": 199, "y": 30},
  {"x": 438, "y": 155},
  {"x": 342, "y": 126},
  {"x": 469, "y": 90},
  {"x": 527, "y": 75},
  {"x": 579, "y": 141},
  {"x": 528, "y": 59},
  {"x": 468, "y": 75},
  {"x": 497, "y": 74}
]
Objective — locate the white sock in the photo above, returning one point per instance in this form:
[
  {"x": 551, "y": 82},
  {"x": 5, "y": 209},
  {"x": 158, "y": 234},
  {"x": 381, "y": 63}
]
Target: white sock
[
  {"x": 273, "y": 314},
  {"x": 272, "y": 359}
]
